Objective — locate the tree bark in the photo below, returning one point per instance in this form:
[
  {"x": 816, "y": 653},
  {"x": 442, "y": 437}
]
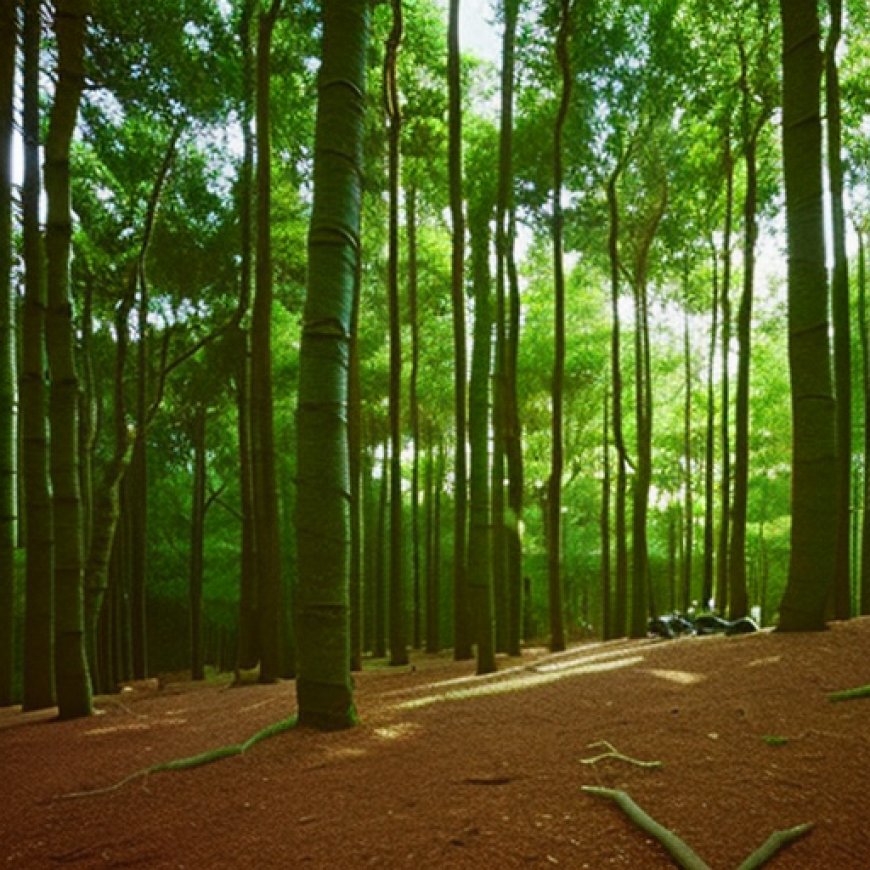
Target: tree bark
[
  {"x": 398, "y": 644},
  {"x": 8, "y": 396},
  {"x": 842, "y": 599},
  {"x": 461, "y": 616},
  {"x": 710, "y": 445},
  {"x": 814, "y": 481},
  {"x": 864, "y": 582},
  {"x": 197, "y": 543},
  {"x": 554, "y": 497},
  {"x": 414, "y": 413},
  {"x": 323, "y": 686},
  {"x": 685, "y": 596},
  {"x": 38, "y": 657},
  {"x": 73, "y": 680}
]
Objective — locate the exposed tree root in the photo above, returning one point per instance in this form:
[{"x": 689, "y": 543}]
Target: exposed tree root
[
  {"x": 850, "y": 694},
  {"x": 192, "y": 760},
  {"x": 684, "y": 856},
  {"x": 677, "y": 848},
  {"x": 613, "y": 752}
]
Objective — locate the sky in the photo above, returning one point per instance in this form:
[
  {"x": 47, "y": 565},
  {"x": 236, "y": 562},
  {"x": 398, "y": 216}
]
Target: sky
[{"x": 476, "y": 34}]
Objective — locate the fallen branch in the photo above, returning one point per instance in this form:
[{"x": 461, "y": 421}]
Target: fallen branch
[
  {"x": 192, "y": 760},
  {"x": 613, "y": 752},
  {"x": 677, "y": 848},
  {"x": 850, "y": 694}
]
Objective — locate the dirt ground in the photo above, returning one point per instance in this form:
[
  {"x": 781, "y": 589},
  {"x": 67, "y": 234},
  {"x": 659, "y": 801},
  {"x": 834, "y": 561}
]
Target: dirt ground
[{"x": 452, "y": 770}]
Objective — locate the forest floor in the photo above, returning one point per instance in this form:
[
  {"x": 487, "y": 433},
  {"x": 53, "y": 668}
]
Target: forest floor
[{"x": 452, "y": 770}]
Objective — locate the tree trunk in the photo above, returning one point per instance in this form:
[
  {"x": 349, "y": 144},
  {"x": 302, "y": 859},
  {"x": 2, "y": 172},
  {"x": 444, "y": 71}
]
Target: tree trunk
[
  {"x": 842, "y": 599},
  {"x": 814, "y": 481},
  {"x": 554, "y": 499},
  {"x": 8, "y": 397},
  {"x": 323, "y": 685},
  {"x": 414, "y": 412},
  {"x": 620, "y": 610},
  {"x": 398, "y": 645},
  {"x": 480, "y": 538},
  {"x": 685, "y": 596},
  {"x": 197, "y": 542},
  {"x": 434, "y": 484},
  {"x": 247, "y": 653},
  {"x": 38, "y": 658},
  {"x": 379, "y": 647},
  {"x": 721, "y": 597},
  {"x": 73, "y": 681},
  {"x": 357, "y": 490},
  {"x": 269, "y": 590},
  {"x": 606, "y": 571},
  {"x": 710, "y": 446},
  {"x": 864, "y": 583},
  {"x": 504, "y": 581},
  {"x": 461, "y": 615}
]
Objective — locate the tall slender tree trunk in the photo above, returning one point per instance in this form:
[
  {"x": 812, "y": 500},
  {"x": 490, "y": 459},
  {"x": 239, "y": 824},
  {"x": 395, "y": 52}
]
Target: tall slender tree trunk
[
  {"x": 38, "y": 657},
  {"x": 620, "y": 609},
  {"x": 507, "y": 633},
  {"x": 842, "y": 603},
  {"x": 323, "y": 685},
  {"x": 710, "y": 444},
  {"x": 685, "y": 596},
  {"x": 379, "y": 647},
  {"x": 461, "y": 616},
  {"x": 197, "y": 543},
  {"x": 864, "y": 582},
  {"x": 414, "y": 413},
  {"x": 814, "y": 481},
  {"x": 73, "y": 681},
  {"x": 607, "y": 631},
  {"x": 480, "y": 538},
  {"x": 8, "y": 392},
  {"x": 554, "y": 496},
  {"x": 247, "y": 651},
  {"x": 357, "y": 491},
  {"x": 434, "y": 485},
  {"x": 270, "y": 598},
  {"x": 739, "y": 604},
  {"x": 721, "y": 597},
  {"x": 398, "y": 644}
]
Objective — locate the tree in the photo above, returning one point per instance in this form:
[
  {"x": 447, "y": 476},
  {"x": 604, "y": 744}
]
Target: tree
[
  {"x": 38, "y": 654},
  {"x": 8, "y": 426},
  {"x": 814, "y": 480},
  {"x": 398, "y": 645},
  {"x": 73, "y": 681},
  {"x": 842, "y": 603},
  {"x": 461, "y": 617},
  {"x": 323, "y": 686},
  {"x": 554, "y": 493},
  {"x": 268, "y": 545}
]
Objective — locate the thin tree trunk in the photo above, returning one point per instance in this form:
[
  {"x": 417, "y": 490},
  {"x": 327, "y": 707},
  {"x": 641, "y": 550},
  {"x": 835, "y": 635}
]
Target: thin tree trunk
[
  {"x": 38, "y": 656},
  {"x": 414, "y": 412},
  {"x": 721, "y": 597},
  {"x": 247, "y": 653},
  {"x": 554, "y": 498},
  {"x": 620, "y": 610},
  {"x": 73, "y": 680},
  {"x": 197, "y": 541},
  {"x": 606, "y": 570},
  {"x": 814, "y": 483},
  {"x": 864, "y": 583},
  {"x": 355, "y": 469},
  {"x": 461, "y": 616},
  {"x": 379, "y": 647},
  {"x": 8, "y": 397},
  {"x": 842, "y": 599},
  {"x": 269, "y": 584},
  {"x": 480, "y": 538},
  {"x": 398, "y": 645},
  {"x": 710, "y": 447},
  {"x": 685, "y": 596}
]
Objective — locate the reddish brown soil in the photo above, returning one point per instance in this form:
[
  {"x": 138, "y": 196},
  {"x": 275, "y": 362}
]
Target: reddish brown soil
[{"x": 452, "y": 770}]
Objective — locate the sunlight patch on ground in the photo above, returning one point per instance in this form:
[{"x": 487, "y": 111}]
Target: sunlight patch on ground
[
  {"x": 529, "y": 680},
  {"x": 398, "y": 731},
  {"x": 769, "y": 660},
  {"x": 347, "y": 752},
  {"x": 684, "y": 678},
  {"x": 133, "y": 726}
]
